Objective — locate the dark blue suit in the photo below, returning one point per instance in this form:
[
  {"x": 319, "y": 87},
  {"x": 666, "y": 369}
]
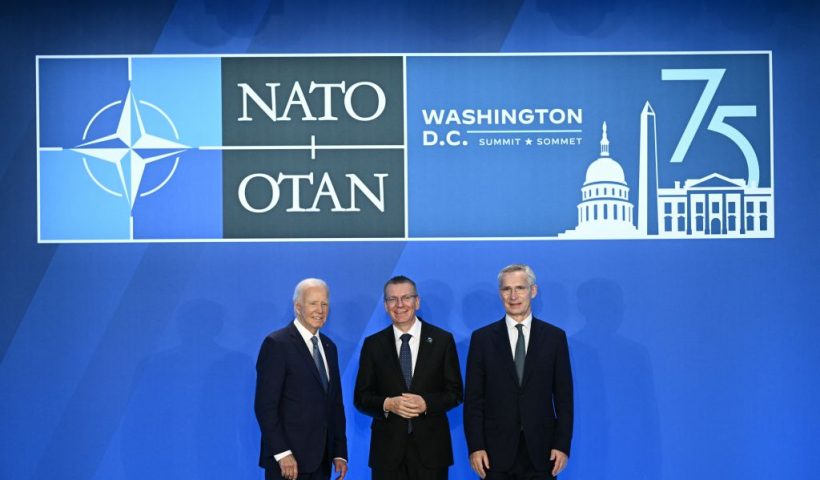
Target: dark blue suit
[
  {"x": 293, "y": 409},
  {"x": 497, "y": 411}
]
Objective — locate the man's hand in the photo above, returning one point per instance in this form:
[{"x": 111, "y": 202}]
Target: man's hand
[
  {"x": 403, "y": 407},
  {"x": 416, "y": 401},
  {"x": 288, "y": 467},
  {"x": 480, "y": 462},
  {"x": 340, "y": 466},
  {"x": 560, "y": 459}
]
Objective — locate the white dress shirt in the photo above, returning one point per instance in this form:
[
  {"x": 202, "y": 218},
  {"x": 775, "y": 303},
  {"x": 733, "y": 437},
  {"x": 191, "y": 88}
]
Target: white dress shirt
[
  {"x": 306, "y": 336},
  {"x": 414, "y": 342},
  {"x": 513, "y": 332}
]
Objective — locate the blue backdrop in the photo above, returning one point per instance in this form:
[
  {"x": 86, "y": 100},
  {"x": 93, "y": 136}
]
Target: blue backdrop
[{"x": 691, "y": 358}]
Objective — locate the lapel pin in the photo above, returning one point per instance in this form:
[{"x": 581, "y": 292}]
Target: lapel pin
[{"x": 428, "y": 340}]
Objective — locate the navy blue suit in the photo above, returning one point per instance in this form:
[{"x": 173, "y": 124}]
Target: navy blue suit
[
  {"x": 497, "y": 411},
  {"x": 293, "y": 409}
]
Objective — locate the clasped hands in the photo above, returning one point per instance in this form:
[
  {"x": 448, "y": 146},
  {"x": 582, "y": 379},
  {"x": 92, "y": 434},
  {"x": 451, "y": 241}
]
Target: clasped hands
[{"x": 408, "y": 405}]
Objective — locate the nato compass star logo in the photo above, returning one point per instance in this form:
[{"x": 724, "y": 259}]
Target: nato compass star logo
[{"x": 130, "y": 149}]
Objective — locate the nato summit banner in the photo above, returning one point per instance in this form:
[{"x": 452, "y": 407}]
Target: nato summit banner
[{"x": 405, "y": 147}]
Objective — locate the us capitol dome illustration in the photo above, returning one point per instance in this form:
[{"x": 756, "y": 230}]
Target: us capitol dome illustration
[{"x": 605, "y": 210}]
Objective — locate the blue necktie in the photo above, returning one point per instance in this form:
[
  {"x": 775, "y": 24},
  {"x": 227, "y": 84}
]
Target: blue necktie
[
  {"x": 520, "y": 353},
  {"x": 406, "y": 359},
  {"x": 320, "y": 364}
]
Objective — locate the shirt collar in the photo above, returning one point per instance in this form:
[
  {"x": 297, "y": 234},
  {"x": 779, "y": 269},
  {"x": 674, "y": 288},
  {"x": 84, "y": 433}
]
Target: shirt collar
[
  {"x": 415, "y": 330},
  {"x": 512, "y": 323},
  {"x": 304, "y": 332}
]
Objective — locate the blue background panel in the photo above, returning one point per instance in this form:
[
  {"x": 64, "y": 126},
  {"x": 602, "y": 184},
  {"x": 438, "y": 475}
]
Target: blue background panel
[
  {"x": 188, "y": 90},
  {"x": 76, "y": 89},
  {"x": 691, "y": 357},
  {"x": 189, "y": 206},
  {"x": 64, "y": 207},
  {"x": 454, "y": 190}
]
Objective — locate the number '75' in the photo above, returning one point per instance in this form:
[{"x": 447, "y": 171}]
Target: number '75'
[{"x": 713, "y": 76}]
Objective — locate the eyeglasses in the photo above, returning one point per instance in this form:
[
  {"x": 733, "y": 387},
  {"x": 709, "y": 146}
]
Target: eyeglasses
[
  {"x": 399, "y": 300},
  {"x": 518, "y": 289}
]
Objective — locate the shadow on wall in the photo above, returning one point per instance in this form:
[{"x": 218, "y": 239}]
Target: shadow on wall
[
  {"x": 346, "y": 322},
  {"x": 616, "y": 413},
  {"x": 180, "y": 423},
  {"x": 437, "y": 300}
]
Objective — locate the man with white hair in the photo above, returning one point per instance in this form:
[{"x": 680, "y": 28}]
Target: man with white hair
[
  {"x": 299, "y": 394},
  {"x": 518, "y": 407}
]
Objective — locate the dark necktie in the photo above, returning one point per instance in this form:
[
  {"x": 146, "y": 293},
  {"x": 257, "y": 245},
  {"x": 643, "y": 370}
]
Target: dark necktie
[
  {"x": 520, "y": 353},
  {"x": 406, "y": 359},
  {"x": 320, "y": 363}
]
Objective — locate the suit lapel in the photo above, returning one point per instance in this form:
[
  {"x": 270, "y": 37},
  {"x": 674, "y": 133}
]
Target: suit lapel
[
  {"x": 536, "y": 336},
  {"x": 305, "y": 354},
  {"x": 388, "y": 344},
  {"x": 330, "y": 358},
  {"x": 501, "y": 340},
  {"x": 425, "y": 350}
]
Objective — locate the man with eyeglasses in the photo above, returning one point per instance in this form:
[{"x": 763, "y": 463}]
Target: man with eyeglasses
[
  {"x": 409, "y": 377},
  {"x": 518, "y": 403}
]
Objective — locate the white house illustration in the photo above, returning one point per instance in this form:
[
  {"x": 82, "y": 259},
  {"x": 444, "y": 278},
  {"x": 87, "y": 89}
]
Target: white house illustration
[
  {"x": 605, "y": 210},
  {"x": 699, "y": 207},
  {"x": 715, "y": 205}
]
